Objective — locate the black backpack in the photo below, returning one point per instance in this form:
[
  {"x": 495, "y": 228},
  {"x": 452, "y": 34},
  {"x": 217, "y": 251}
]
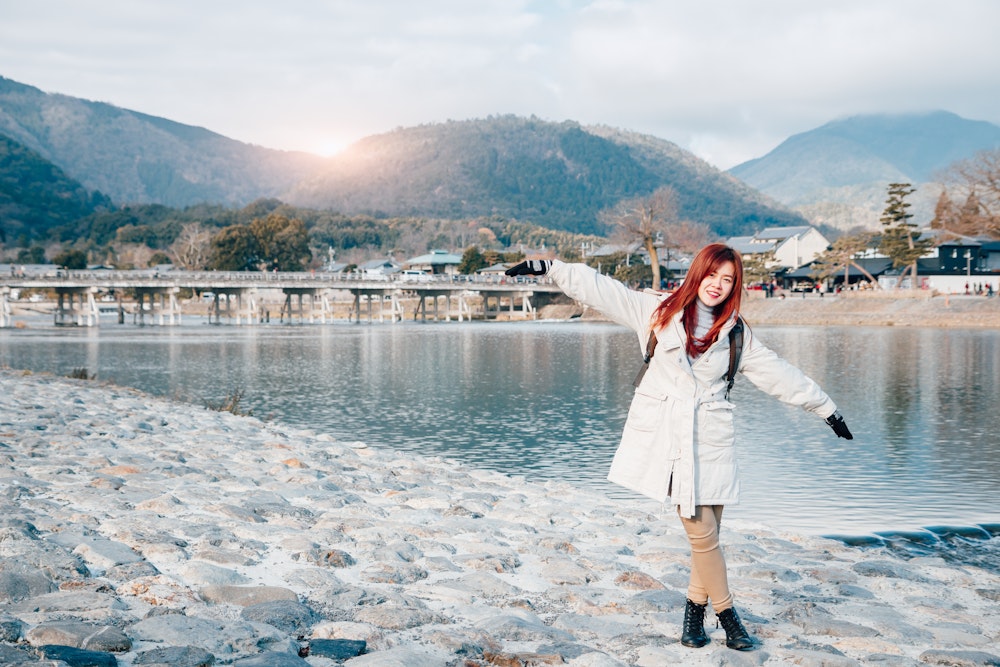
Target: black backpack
[{"x": 735, "y": 352}]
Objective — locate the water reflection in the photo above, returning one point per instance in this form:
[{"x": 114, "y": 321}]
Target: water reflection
[{"x": 548, "y": 401}]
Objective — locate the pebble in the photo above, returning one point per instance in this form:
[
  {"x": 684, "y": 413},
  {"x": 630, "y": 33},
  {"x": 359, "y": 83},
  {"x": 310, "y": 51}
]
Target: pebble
[{"x": 140, "y": 531}]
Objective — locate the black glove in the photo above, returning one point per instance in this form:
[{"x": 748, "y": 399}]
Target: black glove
[
  {"x": 836, "y": 422},
  {"x": 532, "y": 267}
]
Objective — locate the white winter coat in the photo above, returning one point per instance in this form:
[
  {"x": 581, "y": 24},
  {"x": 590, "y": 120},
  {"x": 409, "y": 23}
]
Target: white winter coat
[{"x": 679, "y": 436}]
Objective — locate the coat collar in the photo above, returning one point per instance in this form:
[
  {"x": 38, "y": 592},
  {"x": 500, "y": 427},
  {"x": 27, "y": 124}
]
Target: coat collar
[{"x": 673, "y": 336}]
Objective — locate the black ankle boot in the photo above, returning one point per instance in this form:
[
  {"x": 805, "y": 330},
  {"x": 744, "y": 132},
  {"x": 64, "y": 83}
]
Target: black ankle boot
[
  {"x": 737, "y": 636},
  {"x": 694, "y": 626}
]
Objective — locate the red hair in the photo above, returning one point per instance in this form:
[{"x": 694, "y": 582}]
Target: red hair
[{"x": 708, "y": 260}]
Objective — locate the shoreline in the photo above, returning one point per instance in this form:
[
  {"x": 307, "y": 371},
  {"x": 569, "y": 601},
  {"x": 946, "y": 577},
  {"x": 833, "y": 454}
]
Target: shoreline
[
  {"x": 871, "y": 308},
  {"x": 141, "y": 527}
]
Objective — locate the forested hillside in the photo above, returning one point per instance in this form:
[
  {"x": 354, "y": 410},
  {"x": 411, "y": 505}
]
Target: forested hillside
[
  {"x": 558, "y": 175},
  {"x": 36, "y": 196}
]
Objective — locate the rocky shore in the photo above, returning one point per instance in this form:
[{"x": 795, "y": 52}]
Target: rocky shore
[{"x": 139, "y": 531}]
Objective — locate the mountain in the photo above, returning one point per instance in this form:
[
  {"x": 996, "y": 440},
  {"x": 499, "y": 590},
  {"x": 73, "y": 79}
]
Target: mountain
[
  {"x": 558, "y": 175},
  {"x": 137, "y": 158},
  {"x": 36, "y": 196},
  {"x": 838, "y": 174}
]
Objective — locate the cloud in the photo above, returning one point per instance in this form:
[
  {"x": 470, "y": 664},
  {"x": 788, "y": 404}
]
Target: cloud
[{"x": 728, "y": 79}]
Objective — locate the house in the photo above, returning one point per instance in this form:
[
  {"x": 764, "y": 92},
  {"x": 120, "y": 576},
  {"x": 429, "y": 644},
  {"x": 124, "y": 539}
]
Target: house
[
  {"x": 379, "y": 267},
  {"x": 958, "y": 265},
  {"x": 436, "y": 262},
  {"x": 793, "y": 247},
  {"x": 802, "y": 280}
]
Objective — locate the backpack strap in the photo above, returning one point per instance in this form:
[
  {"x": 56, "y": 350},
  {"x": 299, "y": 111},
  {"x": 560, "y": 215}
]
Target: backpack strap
[
  {"x": 735, "y": 352},
  {"x": 650, "y": 348}
]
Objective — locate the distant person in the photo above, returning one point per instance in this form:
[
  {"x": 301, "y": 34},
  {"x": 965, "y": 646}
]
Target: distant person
[{"x": 679, "y": 437}]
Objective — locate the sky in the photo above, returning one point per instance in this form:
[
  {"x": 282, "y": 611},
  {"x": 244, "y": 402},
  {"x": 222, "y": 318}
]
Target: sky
[{"x": 728, "y": 80}]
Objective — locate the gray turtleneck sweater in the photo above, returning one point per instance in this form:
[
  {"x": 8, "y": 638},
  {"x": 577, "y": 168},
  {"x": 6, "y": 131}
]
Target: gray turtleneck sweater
[{"x": 706, "y": 318}]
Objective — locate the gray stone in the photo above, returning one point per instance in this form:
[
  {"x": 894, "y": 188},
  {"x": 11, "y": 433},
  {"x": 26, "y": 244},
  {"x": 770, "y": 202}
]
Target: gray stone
[
  {"x": 24, "y": 550},
  {"x": 289, "y": 616},
  {"x": 101, "y": 554},
  {"x": 78, "y": 657},
  {"x": 86, "y": 605},
  {"x": 885, "y": 568},
  {"x": 566, "y": 572},
  {"x": 175, "y": 656},
  {"x": 245, "y": 596},
  {"x": 16, "y": 586},
  {"x": 205, "y": 574},
  {"x": 959, "y": 658},
  {"x": 336, "y": 649},
  {"x": 397, "y": 657},
  {"x": 327, "y": 557},
  {"x": 79, "y": 635},
  {"x": 992, "y": 594},
  {"x": 129, "y": 571},
  {"x": 398, "y": 551},
  {"x": 14, "y": 657},
  {"x": 815, "y": 620},
  {"x": 386, "y": 573},
  {"x": 176, "y": 630},
  {"x": 600, "y": 627},
  {"x": 662, "y": 600},
  {"x": 595, "y": 659},
  {"x": 216, "y": 636},
  {"x": 395, "y": 618},
  {"x": 522, "y": 629},
  {"x": 849, "y": 591},
  {"x": 272, "y": 660},
  {"x": 11, "y": 629},
  {"x": 890, "y": 660}
]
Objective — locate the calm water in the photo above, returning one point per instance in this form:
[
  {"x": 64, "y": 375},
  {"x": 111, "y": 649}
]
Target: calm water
[{"x": 548, "y": 400}]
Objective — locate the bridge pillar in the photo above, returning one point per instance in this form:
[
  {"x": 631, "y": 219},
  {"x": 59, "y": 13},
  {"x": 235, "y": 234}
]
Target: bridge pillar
[
  {"x": 244, "y": 311},
  {"x": 169, "y": 310},
  {"x": 5, "y": 309},
  {"x": 293, "y": 294},
  {"x": 68, "y": 314}
]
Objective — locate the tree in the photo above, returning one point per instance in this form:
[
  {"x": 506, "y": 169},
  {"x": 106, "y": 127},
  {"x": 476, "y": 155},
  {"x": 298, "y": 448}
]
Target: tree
[
  {"x": 975, "y": 181},
  {"x": 192, "y": 248},
  {"x": 472, "y": 261},
  {"x": 234, "y": 248},
  {"x": 843, "y": 254},
  {"x": 274, "y": 243},
  {"x": 757, "y": 267},
  {"x": 901, "y": 240},
  {"x": 282, "y": 243},
  {"x": 33, "y": 255},
  {"x": 71, "y": 259},
  {"x": 645, "y": 220}
]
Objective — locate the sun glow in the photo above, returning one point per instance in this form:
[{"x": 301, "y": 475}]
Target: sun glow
[{"x": 329, "y": 146}]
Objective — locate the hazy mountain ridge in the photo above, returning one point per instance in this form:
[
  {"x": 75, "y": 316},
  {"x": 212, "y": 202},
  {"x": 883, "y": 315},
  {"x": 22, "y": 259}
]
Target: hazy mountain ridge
[
  {"x": 838, "y": 173},
  {"x": 137, "y": 158},
  {"x": 559, "y": 175}
]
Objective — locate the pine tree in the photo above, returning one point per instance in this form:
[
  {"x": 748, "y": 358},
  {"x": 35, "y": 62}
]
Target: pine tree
[{"x": 901, "y": 240}]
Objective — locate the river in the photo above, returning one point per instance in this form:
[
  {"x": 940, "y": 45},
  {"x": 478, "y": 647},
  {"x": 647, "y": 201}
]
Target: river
[{"x": 547, "y": 400}]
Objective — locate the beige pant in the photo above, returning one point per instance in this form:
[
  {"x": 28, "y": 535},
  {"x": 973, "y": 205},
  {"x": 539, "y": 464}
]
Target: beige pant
[{"x": 708, "y": 565}]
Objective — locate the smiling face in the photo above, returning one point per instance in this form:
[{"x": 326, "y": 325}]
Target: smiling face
[{"x": 717, "y": 285}]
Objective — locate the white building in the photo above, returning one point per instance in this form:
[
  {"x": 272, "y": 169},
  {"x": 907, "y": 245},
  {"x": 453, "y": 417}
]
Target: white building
[{"x": 793, "y": 246}]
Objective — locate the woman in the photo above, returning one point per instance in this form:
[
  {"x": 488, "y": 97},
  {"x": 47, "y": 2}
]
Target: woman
[{"x": 679, "y": 436}]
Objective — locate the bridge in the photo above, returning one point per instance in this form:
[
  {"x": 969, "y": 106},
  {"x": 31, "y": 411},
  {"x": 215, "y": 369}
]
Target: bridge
[{"x": 236, "y": 297}]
